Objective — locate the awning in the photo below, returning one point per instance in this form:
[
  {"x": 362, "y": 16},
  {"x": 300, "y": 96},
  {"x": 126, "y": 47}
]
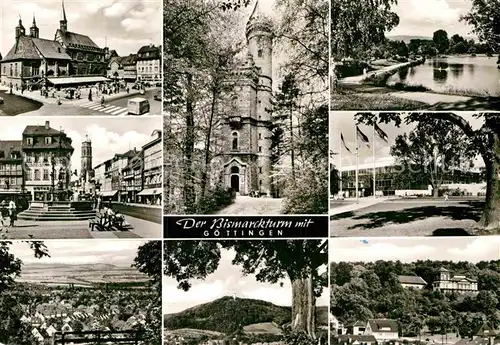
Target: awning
[
  {"x": 109, "y": 193},
  {"x": 76, "y": 80},
  {"x": 150, "y": 191}
]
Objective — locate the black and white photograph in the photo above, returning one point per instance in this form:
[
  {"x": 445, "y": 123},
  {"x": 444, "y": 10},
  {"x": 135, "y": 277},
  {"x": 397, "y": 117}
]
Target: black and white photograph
[
  {"x": 414, "y": 174},
  {"x": 414, "y": 291},
  {"x": 67, "y": 292},
  {"x": 246, "y": 292},
  {"x": 63, "y": 178},
  {"x": 415, "y": 55},
  {"x": 246, "y": 107},
  {"x": 74, "y": 57}
]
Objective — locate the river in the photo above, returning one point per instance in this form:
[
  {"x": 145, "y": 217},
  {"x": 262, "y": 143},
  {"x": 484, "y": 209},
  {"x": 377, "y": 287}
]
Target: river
[{"x": 457, "y": 74}]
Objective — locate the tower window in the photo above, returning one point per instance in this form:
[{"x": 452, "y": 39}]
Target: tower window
[
  {"x": 259, "y": 53},
  {"x": 235, "y": 170},
  {"x": 260, "y": 148},
  {"x": 260, "y": 170},
  {"x": 260, "y": 182},
  {"x": 235, "y": 141},
  {"x": 260, "y": 135}
]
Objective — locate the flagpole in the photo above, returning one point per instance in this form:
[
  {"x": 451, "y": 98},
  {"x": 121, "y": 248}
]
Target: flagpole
[
  {"x": 340, "y": 164},
  {"x": 374, "y": 178},
  {"x": 357, "y": 160}
]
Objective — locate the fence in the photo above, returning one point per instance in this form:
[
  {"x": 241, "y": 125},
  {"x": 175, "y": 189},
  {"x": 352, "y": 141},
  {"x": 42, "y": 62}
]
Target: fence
[{"x": 99, "y": 337}]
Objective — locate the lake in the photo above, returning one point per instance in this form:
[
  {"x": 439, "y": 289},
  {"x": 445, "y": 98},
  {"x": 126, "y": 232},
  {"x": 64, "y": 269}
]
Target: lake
[{"x": 478, "y": 75}]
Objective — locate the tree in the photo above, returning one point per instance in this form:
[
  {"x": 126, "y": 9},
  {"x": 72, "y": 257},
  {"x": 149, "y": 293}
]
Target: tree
[
  {"x": 357, "y": 26},
  {"x": 440, "y": 39},
  {"x": 149, "y": 262},
  {"x": 484, "y": 17},
  {"x": 434, "y": 148},
  {"x": 486, "y": 140},
  {"x": 270, "y": 261}
]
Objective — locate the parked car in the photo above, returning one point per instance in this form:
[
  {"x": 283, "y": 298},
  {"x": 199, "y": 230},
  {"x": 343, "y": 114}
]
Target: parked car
[{"x": 157, "y": 96}]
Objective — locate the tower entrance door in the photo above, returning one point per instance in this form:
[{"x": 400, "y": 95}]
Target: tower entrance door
[
  {"x": 235, "y": 179},
  {"x": 235, "y": 183}
]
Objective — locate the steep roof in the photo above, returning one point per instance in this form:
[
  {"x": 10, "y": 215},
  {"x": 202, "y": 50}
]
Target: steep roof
[
  {"x": 129, "y": 60},
  {"x": 486, "y": 330},
  {"x": 40, "y": 130},
  {"x": 412, "y": 280},
  {"x": 149, "y": 52},
  {"x": 24, "y": 48},
  {"x": 50, "y": 49},
  {"x": 74, "y": 40},
  {"x": 9, "y": 146},
  {"x": 383, "y": 325}
]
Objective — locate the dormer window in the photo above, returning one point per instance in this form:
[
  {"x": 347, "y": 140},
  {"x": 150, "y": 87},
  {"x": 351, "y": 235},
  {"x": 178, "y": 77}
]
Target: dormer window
[
  {"x": 259, "y": 53},
  {"x": 48, "y": 140},
  {"x": 30, "y": 141}
]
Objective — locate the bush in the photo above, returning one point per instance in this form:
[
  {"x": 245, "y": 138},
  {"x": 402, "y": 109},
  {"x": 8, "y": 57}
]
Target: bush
[
  {"x": 214, "y": 200},
  {"x": 298, "y": 338},
  {"x": 309, "y": 195}
]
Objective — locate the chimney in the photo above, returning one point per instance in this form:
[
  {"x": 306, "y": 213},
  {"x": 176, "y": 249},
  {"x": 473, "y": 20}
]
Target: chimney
[{"x": 47, "y": 124}]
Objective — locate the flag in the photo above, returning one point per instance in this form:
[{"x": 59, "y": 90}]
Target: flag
[
  {"x": 362, "y": 136},
  {"x": 381, "y": 133},
  {"x": 343, "y": 142}
]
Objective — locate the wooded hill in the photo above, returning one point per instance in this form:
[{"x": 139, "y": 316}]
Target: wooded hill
[
  {"x": 227, "y": 315},
  {"x": 360, "y": 291}
]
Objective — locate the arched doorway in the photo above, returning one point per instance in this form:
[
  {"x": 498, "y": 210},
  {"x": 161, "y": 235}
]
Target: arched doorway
[{"x": 235, "y": 179}]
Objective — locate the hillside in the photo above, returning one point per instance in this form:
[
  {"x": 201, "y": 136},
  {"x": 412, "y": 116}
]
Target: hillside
[
  {"x": 407, "y": 38},
  {"x": 227, "y": 315}
]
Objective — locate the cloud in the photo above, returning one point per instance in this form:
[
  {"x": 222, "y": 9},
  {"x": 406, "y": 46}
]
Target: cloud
[{"x": 81, "y": 252}]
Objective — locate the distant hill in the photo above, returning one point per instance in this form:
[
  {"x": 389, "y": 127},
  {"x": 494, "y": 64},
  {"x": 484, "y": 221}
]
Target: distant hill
[
  {"x": 53, "y": 274},
  {"x": 226, "y": 315},
  {"x": 406, "y": 38}
]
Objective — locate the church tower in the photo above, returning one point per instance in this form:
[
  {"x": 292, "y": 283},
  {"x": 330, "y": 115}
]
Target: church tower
[
  {"x": 247, "y": 165},
  {"x": 34, "y": 31},
  {"x": 20, "y": 30},
  {"x": 63, "y": 24},
  {"x": 86, "y": 159}
]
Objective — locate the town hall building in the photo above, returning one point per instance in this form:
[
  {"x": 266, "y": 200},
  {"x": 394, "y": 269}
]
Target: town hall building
[
  {"x": 70, "y": 59},
  {"x": 246, "y": 160}
]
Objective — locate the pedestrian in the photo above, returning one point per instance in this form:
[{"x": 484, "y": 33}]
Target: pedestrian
[
  {"x": 103, "y": 101},
  {"x": 12, "y": 213},
  {"x": 59, "y": 100},
  {"x": 445, "y": 196},
  {"x": 2, "y": 214},
  {"x": 90, "y": 94}
]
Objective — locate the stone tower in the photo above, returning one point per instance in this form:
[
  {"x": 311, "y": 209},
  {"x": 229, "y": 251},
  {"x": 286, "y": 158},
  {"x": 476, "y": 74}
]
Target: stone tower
[
  {"x": 20, "y": 30},
  {"x": 63, "y": 23},
  {"x": 34, "y": 31},
  {"x": 247, "y": 164},
  {"x": 86, "y": 159}
]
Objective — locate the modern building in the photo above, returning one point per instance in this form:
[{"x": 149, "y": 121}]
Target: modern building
[
  {"x": 469, "y": 182},
  {"x": 152, "y": 174},
  {"x": 47, "y": 155},
  {"x": 12, "y": 181},
  {"x": 446, "y": 282},
  {"x": 246, "y": 160},
  {"x": 149, "y": 64},
  {"x": 68, "y": 59},
  {"x": 412, "y": 282}
]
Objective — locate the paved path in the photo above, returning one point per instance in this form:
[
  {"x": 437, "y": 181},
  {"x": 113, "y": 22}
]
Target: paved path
[
  {"x": 245, "y": 205},
  {"x": 353, "y": 206},
  {"x": 430, "y": 98},
  {"x": 358, "y": 79},
  {"x": 27, "y": 229}
]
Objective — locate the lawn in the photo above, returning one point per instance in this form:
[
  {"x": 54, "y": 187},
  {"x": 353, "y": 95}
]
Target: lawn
[{"x": 352, "y": 100}]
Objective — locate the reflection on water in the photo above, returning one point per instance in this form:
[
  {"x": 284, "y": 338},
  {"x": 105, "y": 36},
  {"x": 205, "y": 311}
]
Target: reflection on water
[{"x": 448, "y": 74}]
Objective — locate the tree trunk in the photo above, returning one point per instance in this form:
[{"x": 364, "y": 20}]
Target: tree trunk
[
  {"x": 206, "y": 168},
  {"x": 189, "y": 192},
  {"x": 490, "y": 219},
  {"x": 303, "y": 306}
]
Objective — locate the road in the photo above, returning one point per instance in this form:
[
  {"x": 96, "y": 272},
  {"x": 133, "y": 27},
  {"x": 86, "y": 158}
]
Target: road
[
  {"x": 27, "y": 229},
  {"x": 16, "y": 105},
  {"x": 409, "y": 217},
  {"x": 245, "y": 205}
]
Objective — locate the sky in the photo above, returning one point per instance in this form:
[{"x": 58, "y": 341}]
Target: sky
[
  {"x": 413, "y": 249},
  {"x": 227, "y": 281},
  {"x": 109, "y": 135},
  {"x": 119, "y": 253},
  {"x": 126, "y": 25},
  {"x": 344, "y": 122},
  {"x": 423, "y": 17}
]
